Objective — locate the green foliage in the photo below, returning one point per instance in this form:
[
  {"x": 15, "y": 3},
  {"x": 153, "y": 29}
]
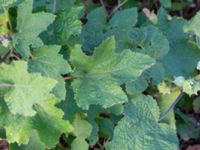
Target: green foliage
[
  {"x": 24, "y": 88},
  {"x": 67, "y": 84},
  {"x": 50, "y": 66},
  {"x": 29, "y": 26},
  {"x": 102, "y": 74},
  {"x": 139, "y": 129},
  {"x": 193, "y": 25}
]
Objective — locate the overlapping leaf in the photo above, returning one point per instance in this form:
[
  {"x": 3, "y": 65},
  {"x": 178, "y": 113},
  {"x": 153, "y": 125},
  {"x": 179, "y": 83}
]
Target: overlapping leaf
[
  {"x": 19, "y": 128},
  {"x": 82, "y": 130},
  {"x": 97, "y": 29},
  {"x": 29, "y": 26},
  {"x": 66, "y": 26},
  {"x": 139, "y": 129},
  {"x": 181, "y": 49},
  {"x": 194, "y": 25},
  {"x": 101, "y": 75},
  {"x": 52, "y": 65},
  {"x": 25, "y": 89}
]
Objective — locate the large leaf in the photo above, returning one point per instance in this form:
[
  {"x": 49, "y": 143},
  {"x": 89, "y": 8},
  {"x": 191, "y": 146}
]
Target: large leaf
[
  {"x": 139, "y": 129},
  {"x": 149, "y": 40},
  {"x": 66, "y": 26},
  {"x": 93, "y": 30},
  {"x": 25, "y": 89},
  {"x": 181, "y": 48},
  {"x": 52, "y": 65},
  {"x": 47, "y": 122},
  {"x": 29, "y": 26},
  {"x": 97, "y": 29},
  {"x": 101, "y": 75}
]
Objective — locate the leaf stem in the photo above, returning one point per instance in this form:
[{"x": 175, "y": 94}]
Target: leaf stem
[
  {"x": 164, "y": 115},
  {"x": 69, "y": 77},
  {"x": 118, "y": 6},
  {"x": 102, "y": 3},
  {"x": 54, "y": 6},
  {"x": 4, "y": 85}
]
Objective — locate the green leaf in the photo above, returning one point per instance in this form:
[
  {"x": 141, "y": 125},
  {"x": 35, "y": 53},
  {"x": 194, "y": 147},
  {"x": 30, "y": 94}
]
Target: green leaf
[
  {"x": 4, "y": 18},
  {"x": 3, "y": 51},
  {"x": 181, "y": 49},
  {"x": 194, "y": 25},
  {"x": 52, "y": 65},
  {"x": 106, "y": 127},
  {"x": 97, "y": 29},
  {"x": 101, "y": 74},
  {"x": 60, "y": 5},
  {"x": 48, "y": 114},
  {"x": 139, "y": 129},
  {"x": 29, "y": 26},
  {"x": 166, "y": 3},
  {"x": 149, "y": 40},
  {"x": 25, "y": 89},
  {"x": 66, "y": 26},
  {"x": 82, "y": 128},
  {"x": 93, "y": 30},
  {"x": 47, "y": 122},
  {"x": 9, "y": 3},
  {"x": 103, "y": 92},
  {"x": 79, "y": 144},
  {"x": 136, "y": 87},
  {"x": 189, "y": 86},
  {"x": 69, "y": 104},
  {"x": 119, "y": 25},
  {"x": 34, "y": 143}
]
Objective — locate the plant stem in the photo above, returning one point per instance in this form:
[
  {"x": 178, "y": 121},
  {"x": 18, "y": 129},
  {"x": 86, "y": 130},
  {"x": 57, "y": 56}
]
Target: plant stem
[
  {"x": 164, "y": 115},
  {"x": 4, "y": 85}
]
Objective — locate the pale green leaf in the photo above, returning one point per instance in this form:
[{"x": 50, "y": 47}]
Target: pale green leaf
[
  {"x": 47, "y": 122},
  {"x": 25, "y": 89},
  {"x": 49, "y": 115},
  {"x": 194, "y": 25},
  {"x": 82, "y": 128},
  {"x": 79, "y": 144}
]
